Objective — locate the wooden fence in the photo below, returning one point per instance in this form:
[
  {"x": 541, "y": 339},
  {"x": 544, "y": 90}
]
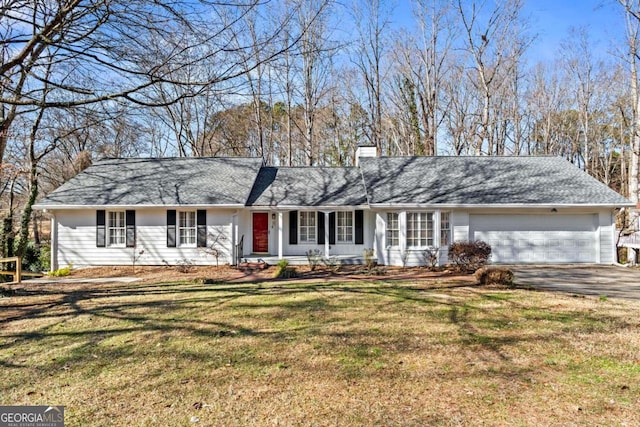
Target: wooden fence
[{"x": 17, "y": 273}]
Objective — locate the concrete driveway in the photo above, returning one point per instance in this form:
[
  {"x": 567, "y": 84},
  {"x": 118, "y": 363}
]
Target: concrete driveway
[{"x": 597, "y": 280}]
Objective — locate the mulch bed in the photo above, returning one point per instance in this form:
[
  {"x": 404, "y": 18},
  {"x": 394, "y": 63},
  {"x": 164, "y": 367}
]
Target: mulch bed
[{"x": 256, "y": 272}]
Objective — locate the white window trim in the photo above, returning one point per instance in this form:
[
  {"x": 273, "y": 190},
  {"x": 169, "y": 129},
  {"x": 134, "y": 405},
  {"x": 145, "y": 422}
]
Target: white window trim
[
  {"x": 433, "y": 230},
  {"x": 178, "y": 228},
  {"x": 315, "y": 228},
  {"x": 441, "y": 229},
  {"x": 352, "y": 226},
  {"x": 110, "y": 227},
  {"x": 386, "y": 236}
]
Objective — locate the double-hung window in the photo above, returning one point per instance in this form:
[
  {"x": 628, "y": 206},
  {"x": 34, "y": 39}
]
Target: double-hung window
[
  {"x": 393, "y": 229},
  {"x": 117, "y": 229},
  {"x": 419, "y": 229},
  {"x": 344, "y": 227},
  {"x": 445, "y": 229},
  {"x": 187, "y": 228},
  {"x": 307, "y": 227}
]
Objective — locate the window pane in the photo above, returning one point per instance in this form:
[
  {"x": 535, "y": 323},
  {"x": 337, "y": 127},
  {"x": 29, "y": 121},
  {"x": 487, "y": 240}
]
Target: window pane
[
  {"x": 116, "y": 228},
  {"x": 307, "y": 229},
  {"x": 445, "y": 229},
  {"x": 187, "y": 227}
]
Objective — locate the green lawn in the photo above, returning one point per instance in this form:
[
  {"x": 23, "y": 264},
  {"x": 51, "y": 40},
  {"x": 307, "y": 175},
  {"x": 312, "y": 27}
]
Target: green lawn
[{"x": 358, "y": 353}]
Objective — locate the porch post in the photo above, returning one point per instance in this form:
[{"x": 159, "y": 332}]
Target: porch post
[
  {"x": 326, "y": 234},
  {"x": 54, "y": 242},
  {"x": 280, "y": 228}
]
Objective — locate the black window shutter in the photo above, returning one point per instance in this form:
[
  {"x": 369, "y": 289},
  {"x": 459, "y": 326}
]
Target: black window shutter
[
  {"x": 171, "y": 228},
  {"x": 101, "y": 232},
  {"x": 332, "y": 228},
  {"x": 130, "y": 221},
  {"x": 321, "y": 228},
  {"x": 359, "y": 223},
  {"x": 293, "y": 227},
  {"x": 201, "y": 221}
]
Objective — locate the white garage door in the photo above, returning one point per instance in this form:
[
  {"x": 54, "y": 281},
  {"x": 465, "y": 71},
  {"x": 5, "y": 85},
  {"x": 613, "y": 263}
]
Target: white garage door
[{"x": 537, "y": 238}]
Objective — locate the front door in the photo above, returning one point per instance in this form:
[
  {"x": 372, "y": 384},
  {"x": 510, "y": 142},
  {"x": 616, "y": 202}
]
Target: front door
[{"x": 260, "y": 232}]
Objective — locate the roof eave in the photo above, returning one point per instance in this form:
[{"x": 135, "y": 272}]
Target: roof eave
[
  {"x": 143, "y": 206},
  {"x": 497, "y": 205},
  {"x": 308, "y": 207}
]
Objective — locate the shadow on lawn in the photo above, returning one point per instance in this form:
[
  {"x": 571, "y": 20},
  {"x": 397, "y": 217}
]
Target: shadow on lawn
[{"x": 166, "y": 308}]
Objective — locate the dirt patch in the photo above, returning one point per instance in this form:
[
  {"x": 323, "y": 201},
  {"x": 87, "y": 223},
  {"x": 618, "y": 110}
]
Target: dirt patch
[{"x": 259, "y": 272}]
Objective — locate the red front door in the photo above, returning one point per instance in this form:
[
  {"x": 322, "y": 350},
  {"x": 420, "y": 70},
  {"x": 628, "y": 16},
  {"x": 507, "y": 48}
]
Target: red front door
[{"x": 260, "y": 232}]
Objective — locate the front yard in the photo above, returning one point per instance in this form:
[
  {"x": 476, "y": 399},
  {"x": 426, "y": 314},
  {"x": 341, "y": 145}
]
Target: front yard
[{"x": 298, "y": 353}]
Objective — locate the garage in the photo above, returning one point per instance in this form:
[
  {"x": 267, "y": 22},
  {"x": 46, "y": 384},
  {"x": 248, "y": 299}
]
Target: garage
[{"x": 551, "y": 238}]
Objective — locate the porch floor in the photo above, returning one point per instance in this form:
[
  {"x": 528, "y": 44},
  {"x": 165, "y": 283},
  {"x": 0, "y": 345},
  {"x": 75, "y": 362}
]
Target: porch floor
[{"x": 301, "y": 259}]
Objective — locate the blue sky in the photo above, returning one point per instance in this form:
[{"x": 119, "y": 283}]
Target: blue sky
[{"x": 550, "y": 21}]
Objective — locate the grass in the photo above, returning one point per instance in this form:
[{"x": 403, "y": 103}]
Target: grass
[{"x": 357, "y": 353}]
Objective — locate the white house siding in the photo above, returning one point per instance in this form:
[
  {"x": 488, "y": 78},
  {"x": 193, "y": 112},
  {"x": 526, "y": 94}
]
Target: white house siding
[
  {"x": 607, "y": 236},
  {"x": 77, "y": 240},
  {"x": 401, "y": 255},
  {"x": 516, "y": 236}
]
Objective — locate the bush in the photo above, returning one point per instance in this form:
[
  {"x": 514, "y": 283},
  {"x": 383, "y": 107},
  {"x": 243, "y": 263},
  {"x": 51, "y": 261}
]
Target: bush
[
  {"x": 184, "y": 266},
  {"x": 45, "y": 257},
  {"x": 469, "y": 256},
  {"x": 314, "y": 257},
  {"x": 495, "y": 276},
  {"x": 369, "y": 259},
  {"x": 430, "y": 257},
  {"x": 36, "y": 258},
  {"x": 283, "y": 271},
  {"x": 61, "y": 272}
]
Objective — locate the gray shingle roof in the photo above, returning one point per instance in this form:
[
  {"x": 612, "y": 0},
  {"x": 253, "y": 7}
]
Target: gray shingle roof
[
  {"x": 166, "y": 181},
  {"x": 482, "y": 181},
  {"x": 388, "y": 180},
  {"x": 308, "y": 186}
]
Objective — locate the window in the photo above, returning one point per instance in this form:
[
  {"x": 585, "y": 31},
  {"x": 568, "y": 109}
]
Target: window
[
  {"x": 187, "y": 228},
  {"x": 117, "y": 229},
  {"x": 344, "y": 227},
  {"x": 445, "y": 229},
  {"x": 419, "y": 229},
  {"x": 307, "y": 227},
  {"x": 393, "y": 229}
]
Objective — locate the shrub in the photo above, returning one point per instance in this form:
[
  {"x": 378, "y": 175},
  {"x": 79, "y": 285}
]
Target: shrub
[
  {"x": 314, "y": 257},
  {"x": 184, "y": 266},
  {"x": 332, "y": 263},
  {"x": 36, "y": 257},
  {"x": 283, "y": 271},
  {"x": 495, "y": 276},
  {"x": 469, "y": 256},
  {"x": 369, "y": 259},
  {"x": 61, "y": 272},
  {"x": 45, "y": 257},
  {"x": 430, "y": 257}
]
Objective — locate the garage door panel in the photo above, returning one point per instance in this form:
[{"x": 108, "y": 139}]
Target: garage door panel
[{"x": 537, "y": 238}]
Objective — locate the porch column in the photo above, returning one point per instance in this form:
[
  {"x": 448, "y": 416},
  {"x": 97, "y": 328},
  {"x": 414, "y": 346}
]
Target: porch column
[
  {"x": 280, "y": 230},
  {"x": 54, "y": 242},
  {"x": 326, "y": 234}
]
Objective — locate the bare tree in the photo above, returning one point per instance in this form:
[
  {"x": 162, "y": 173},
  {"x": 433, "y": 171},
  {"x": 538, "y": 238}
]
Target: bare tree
[
  {"x": 109, "y": 50},
  {"x": 494, "y": 41},
  {"x": 632, "y": 15},
  {"x": 372, "y": 19}
]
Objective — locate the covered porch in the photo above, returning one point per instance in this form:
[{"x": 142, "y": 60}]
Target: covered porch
[
  {"x": 302, "y": 259},
  {"x": 335, "y": 234}
]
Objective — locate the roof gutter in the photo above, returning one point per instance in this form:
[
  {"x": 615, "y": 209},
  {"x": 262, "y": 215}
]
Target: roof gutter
[
  {"x": 495, "y": 205},
  {"x": 143, "y": 206}
]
